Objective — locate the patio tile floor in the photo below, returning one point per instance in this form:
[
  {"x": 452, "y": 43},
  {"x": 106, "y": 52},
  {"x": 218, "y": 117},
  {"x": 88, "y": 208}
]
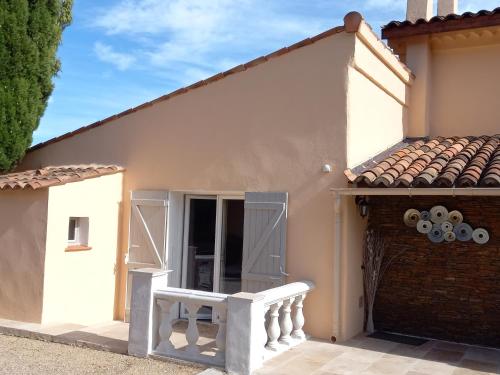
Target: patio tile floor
[
  {"x": 110, "y": 336},
  {"x": 358, "y": 356},
  {"x": 368, "y": 356}
]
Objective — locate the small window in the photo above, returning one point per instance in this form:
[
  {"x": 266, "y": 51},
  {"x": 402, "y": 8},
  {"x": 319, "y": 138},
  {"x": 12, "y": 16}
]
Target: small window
[{"x": 78, "y": 231}]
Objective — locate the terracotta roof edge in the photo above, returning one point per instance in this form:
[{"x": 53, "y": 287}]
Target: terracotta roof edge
[
  {"x": 437, "y": 24},
  {"x": 30, "y": 179},
  {"x": 438, "y": 162},
  {"x": 360, "y": 168}
]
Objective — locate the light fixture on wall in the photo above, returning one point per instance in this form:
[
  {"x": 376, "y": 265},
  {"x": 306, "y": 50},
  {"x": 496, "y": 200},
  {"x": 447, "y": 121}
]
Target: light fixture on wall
[
  {"x": 327, "y": 168},
  {"x": 363, "y": 206}
]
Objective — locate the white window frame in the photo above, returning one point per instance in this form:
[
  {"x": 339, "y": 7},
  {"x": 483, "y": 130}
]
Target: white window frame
[{"x": 81, "y": 233}]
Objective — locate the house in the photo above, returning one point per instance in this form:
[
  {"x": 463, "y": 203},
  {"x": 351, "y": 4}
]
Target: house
[
  {"x": 58, "y": 244},
  {"x": 268, "y": 131},
  {"x": 256, "y": 178}
]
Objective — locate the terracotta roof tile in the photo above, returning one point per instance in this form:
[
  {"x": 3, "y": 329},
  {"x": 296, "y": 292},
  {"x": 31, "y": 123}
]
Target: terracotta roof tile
[
  {"x": 438, "y": 24},
  {"x": 52, "y": 176},
  {"x": 438, "y": 162}
]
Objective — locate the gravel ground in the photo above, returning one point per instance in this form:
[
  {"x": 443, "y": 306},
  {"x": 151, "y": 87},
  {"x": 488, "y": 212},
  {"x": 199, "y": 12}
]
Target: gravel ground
[{"x": 25, "y": 356}]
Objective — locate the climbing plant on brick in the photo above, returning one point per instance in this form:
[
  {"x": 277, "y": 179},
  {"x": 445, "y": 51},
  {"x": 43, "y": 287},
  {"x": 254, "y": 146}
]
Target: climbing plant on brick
[{"x": 30, "y": 33}]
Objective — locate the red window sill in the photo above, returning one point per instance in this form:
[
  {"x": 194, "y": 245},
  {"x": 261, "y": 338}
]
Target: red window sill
[{"x": 77, "y": 248}]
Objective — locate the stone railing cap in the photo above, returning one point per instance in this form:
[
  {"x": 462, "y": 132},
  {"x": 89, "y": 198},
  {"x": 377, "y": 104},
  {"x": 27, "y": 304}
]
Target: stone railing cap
[{"x": 153, "y": 271}]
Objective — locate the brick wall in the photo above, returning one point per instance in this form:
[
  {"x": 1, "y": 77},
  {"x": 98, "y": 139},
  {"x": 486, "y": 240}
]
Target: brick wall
[{"x": 447, "y": 291}]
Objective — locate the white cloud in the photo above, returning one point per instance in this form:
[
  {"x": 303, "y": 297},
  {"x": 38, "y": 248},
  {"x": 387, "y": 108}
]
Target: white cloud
[
  {"x": 180, "y": 40},
  {"x": 203, "y": 35},
  {"x": 106, "y": 53},
  {"x": 155, "y": 16}
]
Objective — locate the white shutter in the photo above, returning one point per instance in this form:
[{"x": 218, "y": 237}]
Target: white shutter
[
  {"x": 264, "y": 241},
  {"x": 148, "y": 229}
]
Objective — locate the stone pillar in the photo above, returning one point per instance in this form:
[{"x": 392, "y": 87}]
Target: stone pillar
[
  {"x": 417, "y": 9},
  {"x": 419, "y": 60},
  {"x": 446, "y": 7},
  {"x": 245, "y": 328},
  {"x": 144, "y": 282}
]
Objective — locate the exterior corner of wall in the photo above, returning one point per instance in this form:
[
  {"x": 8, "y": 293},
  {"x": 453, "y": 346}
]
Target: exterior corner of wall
[
  {"x": 348, "y": 113},
  {"x": 376, "y": 105},
  {"x": 120, "y": 267},
  {"x": 46, "y": 260},
  {"x": 406, "y": 113},
  {"x": 419, "y": 59}
]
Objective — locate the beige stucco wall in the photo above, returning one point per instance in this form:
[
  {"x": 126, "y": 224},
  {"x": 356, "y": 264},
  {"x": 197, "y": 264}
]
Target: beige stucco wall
[
  {"x": 376, "y": 106},
  {"x": 269, "y": 128},
  {"x": 80, "y": 286},
  {"x": 465, "y": 91},
  {"x": 23, "y": 221},
  {"x": 457, "y": 82}
]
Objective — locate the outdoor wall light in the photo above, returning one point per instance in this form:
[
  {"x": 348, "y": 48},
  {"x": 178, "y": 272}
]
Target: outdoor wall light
[
  {"x": 363, "y": 206},
  {"x": 327, "y": 168}
]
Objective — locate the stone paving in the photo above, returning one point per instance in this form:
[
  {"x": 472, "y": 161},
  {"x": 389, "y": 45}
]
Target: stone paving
[
  {"x": 367, "y": 356},
  {"x": 109, "y": 336},
  {"x": 359, "y": 356}
]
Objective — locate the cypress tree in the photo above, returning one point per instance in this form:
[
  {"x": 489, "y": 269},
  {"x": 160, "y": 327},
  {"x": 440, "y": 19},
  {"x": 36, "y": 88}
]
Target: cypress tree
[{"x": 30, "y": 33}]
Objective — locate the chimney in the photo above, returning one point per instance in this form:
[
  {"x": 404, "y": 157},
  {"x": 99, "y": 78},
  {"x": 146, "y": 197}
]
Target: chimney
[
  {"x": 418, "y": 9},
  {"x": 446, "y": 7}
]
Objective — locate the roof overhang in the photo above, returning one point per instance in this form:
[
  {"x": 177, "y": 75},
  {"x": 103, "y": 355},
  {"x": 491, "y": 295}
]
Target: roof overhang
[
  {"x": 471, "y": 192},
  {"x": 55, "y": 175},
  {"x": 439, "y": 163},
  {"x": 440, "y": 24}
]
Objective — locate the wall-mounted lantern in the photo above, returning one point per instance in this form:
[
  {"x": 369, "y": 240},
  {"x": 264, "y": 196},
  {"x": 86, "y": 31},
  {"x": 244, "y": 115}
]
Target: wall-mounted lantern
[{"x": 363, "y": 206}]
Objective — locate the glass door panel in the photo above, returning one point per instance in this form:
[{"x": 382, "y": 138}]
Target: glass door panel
[
  {"x": 231, "y": 246},
  {"x": 199, "y": 246}
]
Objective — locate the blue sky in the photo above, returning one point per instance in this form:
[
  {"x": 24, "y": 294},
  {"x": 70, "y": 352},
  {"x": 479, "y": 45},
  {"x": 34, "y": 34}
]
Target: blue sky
[{"x": 120, "y": 53}]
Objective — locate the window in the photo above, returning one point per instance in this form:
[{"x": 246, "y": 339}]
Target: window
[
  {"x": 78, "y": 233},
  {"x": 73, "y": 227}
]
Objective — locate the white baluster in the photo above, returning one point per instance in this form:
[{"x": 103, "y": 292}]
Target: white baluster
[
  {"x": 192, "y": 334},
  {"x": 165, "y": 329},
  {"x": 298, "y": 318},
  {"x": 273, "y": 330},
  {"x": 264, "y": 325},
  {"x": 286, "y": 324},
  {"x": 220, "y": 339}
]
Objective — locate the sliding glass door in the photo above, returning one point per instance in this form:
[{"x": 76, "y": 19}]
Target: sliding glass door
[
  {"x": 213, "y": 245},
  {"x": 230, "y": 215}
]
